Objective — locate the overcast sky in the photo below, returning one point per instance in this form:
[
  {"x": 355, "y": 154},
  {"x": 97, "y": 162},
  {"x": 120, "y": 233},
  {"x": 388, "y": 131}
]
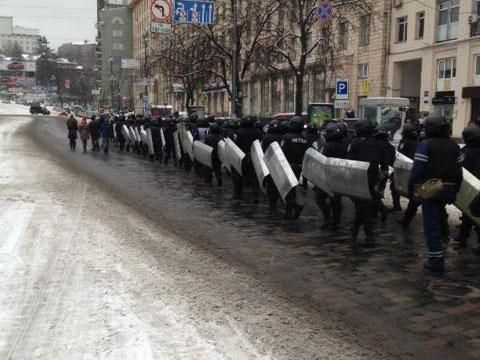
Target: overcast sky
[{"x": 61, "y": 21}]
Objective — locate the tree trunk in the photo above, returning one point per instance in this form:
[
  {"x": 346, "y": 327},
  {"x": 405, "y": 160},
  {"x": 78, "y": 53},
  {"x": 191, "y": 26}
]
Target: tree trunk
[
  {"x": 299, "y": 94},
  {"x": 239, "y": 102}
]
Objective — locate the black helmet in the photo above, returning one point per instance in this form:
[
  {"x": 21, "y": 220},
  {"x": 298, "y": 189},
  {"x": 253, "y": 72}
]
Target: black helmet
[
  {"x": 334, "y": 131},
  {"x": 471, "y": 136},
  {"x": 436, "y": 126},
  {"x": 382, "y": 133},
  {"x": 296, "y": 124},
  {"x": 365, "y": 127},
  {"x": 274, "y": 127},
  {"x": 246, "y": 122},
  {"x": 284, "y": 126},
  {"x": 409, "y": 131},
  {"x": 214, "y": 129},
  {"x": 312, "y": 129}
]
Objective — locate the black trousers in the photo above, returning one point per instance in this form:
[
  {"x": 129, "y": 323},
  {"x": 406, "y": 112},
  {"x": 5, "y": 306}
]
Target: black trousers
[{"x": 363, "y": 217}]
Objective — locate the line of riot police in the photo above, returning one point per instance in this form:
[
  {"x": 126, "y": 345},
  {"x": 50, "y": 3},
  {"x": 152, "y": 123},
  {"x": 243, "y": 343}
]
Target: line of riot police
[{"x": 282, "y": 157}]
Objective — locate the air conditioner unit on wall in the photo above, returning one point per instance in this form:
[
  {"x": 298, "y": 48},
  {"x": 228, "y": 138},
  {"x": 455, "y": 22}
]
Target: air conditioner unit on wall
[
  {"x": 397, "y": 3},
  {"x": 473, "y": 18}
]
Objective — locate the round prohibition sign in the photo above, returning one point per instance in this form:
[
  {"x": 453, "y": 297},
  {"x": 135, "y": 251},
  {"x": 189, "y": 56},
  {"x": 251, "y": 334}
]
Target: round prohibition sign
[{"x": 161, "y": 9}]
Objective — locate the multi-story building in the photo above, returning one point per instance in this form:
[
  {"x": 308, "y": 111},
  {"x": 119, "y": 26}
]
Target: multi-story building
[
  {"x": 114, "y": 45},
  {"x": 25, "y": 37},
  {"x": 362, "y": 42},
  {"x": 435, "y": 57},
  {"x": 82, "y": 53},
  {"x": 360, "y": 56}
]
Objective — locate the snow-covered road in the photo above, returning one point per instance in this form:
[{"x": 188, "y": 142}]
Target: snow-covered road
[{"x": 84, "y": 276}]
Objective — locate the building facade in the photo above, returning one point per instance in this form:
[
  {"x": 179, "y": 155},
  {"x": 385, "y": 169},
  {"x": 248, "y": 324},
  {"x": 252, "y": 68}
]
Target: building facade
[
  {"x": 435, "y": 57},
  {"x": 116, "y": 45},
  {"x": 25, "y": 37}
]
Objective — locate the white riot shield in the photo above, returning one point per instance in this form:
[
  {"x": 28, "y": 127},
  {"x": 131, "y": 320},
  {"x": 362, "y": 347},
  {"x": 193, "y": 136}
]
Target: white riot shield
[
  {"x": 402, "y": 167},
  {"x": 133, "y": 137},
  {"x": 259, "y": 165},
  {"x": 187, "y": 144},
  {"x": 176, "y": 141},
  {"x": 203, "y": 153},
  {"x": 469, "y": 189},
  {"x": 126, "y": 133},
  {"x": 162, "y": 138},
  {"x": 151, "y": 149},
  {"x": 143, "y": 135},
  {"x": 234, "y": 155},
  {"x": 222, "y": 156},
  {"x": 114, "y": 130},
  {"x": 137, "y": 135},
  {"x": 280, "y": 170},
  {"x": 314, "y": 169},
  {"x": 348, "y": 177}
]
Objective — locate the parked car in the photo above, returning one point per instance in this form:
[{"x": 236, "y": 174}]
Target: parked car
[{"x": 39, "y": 109}]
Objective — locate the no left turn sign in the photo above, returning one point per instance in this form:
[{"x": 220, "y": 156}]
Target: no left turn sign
[{"x": 161, "y": 10}]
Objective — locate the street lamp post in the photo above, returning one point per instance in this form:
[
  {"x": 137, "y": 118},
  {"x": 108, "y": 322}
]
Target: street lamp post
[
  {"x": 145, "y": 73},
  {"x": 234, "y": 59}
]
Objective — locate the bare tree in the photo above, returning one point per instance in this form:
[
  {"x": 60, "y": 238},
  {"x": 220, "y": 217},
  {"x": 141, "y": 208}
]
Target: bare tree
[
  {"x": 254, "y": 21},
  {"x": 300, "y": 41},
  {"x": 185, "y": 57}
]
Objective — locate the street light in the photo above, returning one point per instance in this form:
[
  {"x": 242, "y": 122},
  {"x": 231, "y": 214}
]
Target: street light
[
  {"x": 145, "y": 72},
  {"x": 234, "y": 59}
]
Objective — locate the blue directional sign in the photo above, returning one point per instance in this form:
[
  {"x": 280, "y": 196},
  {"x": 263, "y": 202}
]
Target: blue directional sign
[
  {"x": 341, "y": 92},
  {"x": 194, "y": 12}
]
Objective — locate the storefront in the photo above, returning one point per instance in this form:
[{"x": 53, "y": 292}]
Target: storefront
[
  {"x": 473, "y": 93},
  {"x": 444, "y": 104}
]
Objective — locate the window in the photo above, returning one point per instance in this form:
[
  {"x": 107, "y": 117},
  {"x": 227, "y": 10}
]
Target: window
[
  {"x": 477, "y": 65},
  {"x": 117, "y": 46},
  {"x": 362, "y": 70},
  {"x": 448, "y": 11},
  {"x": 447, "y": 69},
  {"x": 402, "y": 29},
  {"x": 117, "y": 33},
  {"x": 420, "y": 25},
  {"x": 364, "y": 30},
  {"x": 343, "y": 35}
]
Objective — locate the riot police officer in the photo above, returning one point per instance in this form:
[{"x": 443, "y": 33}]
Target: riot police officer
[
  {"x": 387, "y": 158},
  {"x": 244, "y": 139},
  {"x": 294, "y": 146},
  {"x": 365, "y": 148},
  {"x": 437, "y": 158},
  {"x": 274, "y": 133},
  {"x": 407, "y": 146},
  {"x": 212, "y": 139},
  {"x": 334, "y": 147},
  {"x": 118, "y": 129},
  {"x": 471, "y": 162}
]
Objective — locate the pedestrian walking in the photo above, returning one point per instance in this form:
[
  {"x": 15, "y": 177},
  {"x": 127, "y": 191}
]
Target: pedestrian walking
[
  {"x": 72, "y": 126},
  {"x": 84, "y": 133}
]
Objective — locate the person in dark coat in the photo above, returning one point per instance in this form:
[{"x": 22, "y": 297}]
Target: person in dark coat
[
  {"x": 72, "y": 126},
  {"x": 331, "y": 206},
  {"x": 244, "y": 139},
  {"x": 294, "y": 146},
  {"x": 213, "y": 138},
  {"x": 437, "y": 157},
  {"x": 106, "y": 133},
  {"x": 387, "y": 158},
  {"x": 274, "y": 134},
  {"x": 118, "y": 129},
  {"x": 365, "y": 148},
  {"x": 471, "y": 162},
  {"x": 94, "y": 128},
  {"x": 169, "y": 128},
  {"x": 407, "y": 147}
]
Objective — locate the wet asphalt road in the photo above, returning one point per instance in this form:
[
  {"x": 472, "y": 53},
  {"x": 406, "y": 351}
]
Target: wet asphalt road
[
  {"x": 377, "y": 297},
  {"x": 90, "y": 274}
]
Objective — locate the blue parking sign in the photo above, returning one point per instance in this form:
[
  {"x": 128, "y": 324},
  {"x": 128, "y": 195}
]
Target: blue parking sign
[{"x": 341, "y": 89}]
